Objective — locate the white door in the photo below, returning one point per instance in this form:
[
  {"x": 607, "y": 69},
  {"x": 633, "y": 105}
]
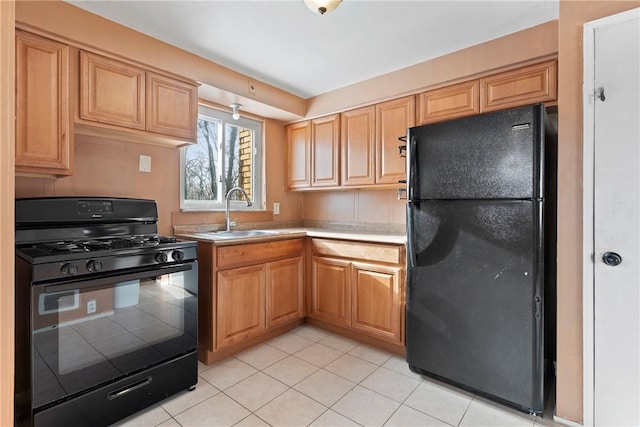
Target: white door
[{"x": 615, "y": 236}]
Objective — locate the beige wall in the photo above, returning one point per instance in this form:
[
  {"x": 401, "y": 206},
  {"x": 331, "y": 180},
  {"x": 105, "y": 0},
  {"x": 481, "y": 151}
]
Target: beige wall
[
  {"x": 573, "y": 14},
  {"x": 361, "y": 206},
  {"x": 7, "y": 90},
  {"x": 105, "y": 167}
]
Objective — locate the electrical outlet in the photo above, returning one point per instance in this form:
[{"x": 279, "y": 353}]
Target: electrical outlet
[
  {"x": 276, "y": 208},
  {"x": 91, "y": 306},
  {"x": 144, "y": 164}
]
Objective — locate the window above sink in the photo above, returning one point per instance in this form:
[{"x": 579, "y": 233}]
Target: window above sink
[{"x": 228, "y": 154}]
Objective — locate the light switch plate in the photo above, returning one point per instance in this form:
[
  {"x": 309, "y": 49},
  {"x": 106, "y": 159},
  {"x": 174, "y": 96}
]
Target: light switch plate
[
  {"x": 276, "y": 208},
  {"x": 144, "y": 164}
]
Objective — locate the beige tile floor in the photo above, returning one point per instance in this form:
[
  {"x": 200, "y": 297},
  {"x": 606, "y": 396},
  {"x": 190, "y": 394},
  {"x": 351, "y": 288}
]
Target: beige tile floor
[{"x": 310, "y": 377}]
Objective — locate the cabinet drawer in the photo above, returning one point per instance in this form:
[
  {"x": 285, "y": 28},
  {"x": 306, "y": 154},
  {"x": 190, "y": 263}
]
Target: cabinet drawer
[
  {"x": 255, "y": 253},
  {"x": 392, "y": 254}
]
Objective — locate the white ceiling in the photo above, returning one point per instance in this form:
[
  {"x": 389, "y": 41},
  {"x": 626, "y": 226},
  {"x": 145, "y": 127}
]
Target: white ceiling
[{"x": 284, "y": 44}]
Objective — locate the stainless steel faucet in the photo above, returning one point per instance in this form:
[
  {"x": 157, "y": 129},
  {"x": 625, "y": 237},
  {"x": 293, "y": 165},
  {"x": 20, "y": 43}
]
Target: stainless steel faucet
[{"x": 227, "y": 219}]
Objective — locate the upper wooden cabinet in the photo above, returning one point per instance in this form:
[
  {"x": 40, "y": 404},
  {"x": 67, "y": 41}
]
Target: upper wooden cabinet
[
  {"x": 449, "y": 102},
  {"x": 368, "y": 137},
  {"x": 115, "y": 94},
  {"x": 111, "y": 91},
  {"x": 528, "y": 85},
  {"x": 44, "y": 141},
  {"x": 358, "y": 146},
  {"x": 370, "y": 142},
  {"x": 299, "y": 155},
  {"x": 172, "y": 106},
  {"x": 521, "y": 86},
  {"x": 393, "y": 118},
  {"x": 325, "y": 151},
  {"x": 313, "y": 153}
]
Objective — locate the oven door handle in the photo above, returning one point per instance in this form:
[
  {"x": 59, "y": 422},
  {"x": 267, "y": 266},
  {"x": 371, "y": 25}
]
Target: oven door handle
[{"x": 103, "y": 281}]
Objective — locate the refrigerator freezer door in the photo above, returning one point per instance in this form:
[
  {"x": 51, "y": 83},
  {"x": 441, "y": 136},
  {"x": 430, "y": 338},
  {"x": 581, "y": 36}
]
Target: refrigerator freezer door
[
  {"x": 474, "y": 297},
  {"x": 490, "y": 156}
]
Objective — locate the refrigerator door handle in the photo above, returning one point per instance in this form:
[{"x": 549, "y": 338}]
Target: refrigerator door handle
[
  {"x": 411, "y": 253},
  {"x": 411, "y": 167}
]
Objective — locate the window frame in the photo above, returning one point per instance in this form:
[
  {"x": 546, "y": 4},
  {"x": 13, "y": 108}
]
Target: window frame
[{"x": 257, "y": 126}]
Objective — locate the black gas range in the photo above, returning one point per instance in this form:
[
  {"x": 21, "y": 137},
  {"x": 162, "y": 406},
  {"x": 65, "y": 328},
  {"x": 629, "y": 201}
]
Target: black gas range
[{"x": 106, "y": 310}]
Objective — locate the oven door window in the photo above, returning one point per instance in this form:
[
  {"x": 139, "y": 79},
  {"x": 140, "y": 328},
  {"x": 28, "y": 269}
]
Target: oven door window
[{"x": 96, "y": 331}]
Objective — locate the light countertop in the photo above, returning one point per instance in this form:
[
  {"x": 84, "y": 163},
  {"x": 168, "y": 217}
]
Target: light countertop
[{"x": 244, "y": 236}]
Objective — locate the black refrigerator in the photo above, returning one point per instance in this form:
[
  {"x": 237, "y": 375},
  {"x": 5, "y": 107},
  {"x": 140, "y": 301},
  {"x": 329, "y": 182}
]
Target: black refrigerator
[{"x": 481, "y": 253}]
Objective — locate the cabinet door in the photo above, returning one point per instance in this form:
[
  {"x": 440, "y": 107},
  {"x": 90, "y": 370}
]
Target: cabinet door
[
  {"x": 111, "y": 92},
  {"x": 527, "y": 85},
  {"x": 299, "y": 155},
  {"x": 358, "y": 148},
  {"x": 240, "y": 304},
  {"x": 284, "y": 292},
  {"x": 43, "y": 138},
  {"x": 393, "y": 118},
  {"x": 325, "y": 145},
  {"x": 330, "y": 297},
  {"x": 172, "y": 107},
  {"x": 449, "y": 102},
  {"x": 376, "y": 307}
]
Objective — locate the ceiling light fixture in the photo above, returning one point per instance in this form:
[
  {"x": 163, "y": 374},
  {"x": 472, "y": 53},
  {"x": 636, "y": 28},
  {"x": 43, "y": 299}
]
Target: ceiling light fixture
[
  {"x": 322, "y": 6},
  {"x": 235, "y": 108}
]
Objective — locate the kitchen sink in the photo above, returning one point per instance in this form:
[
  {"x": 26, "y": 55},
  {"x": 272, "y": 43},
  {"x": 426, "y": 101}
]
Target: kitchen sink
[{"x": 235, "y": 234}]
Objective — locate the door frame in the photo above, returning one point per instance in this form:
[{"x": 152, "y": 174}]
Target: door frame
[{"x": 588, "y": 177}]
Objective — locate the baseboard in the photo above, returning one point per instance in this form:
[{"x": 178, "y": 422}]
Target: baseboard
[{"x": 565, "y": 422}]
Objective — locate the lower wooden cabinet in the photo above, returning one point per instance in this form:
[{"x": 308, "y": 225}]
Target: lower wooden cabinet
[
  {"x": 359, "y": 286},
  {"x": 284, "y": 292},
  {"x": 330, "y": 284},
  {"x": 375, "y": 300},
  {"x": 240, "y": 310},
  {"x": 247, "y": 293}
]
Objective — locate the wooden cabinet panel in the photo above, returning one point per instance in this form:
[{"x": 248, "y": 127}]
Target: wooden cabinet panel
[
  {"x": 172, "y": 106},
  {"x": 299, "y": 155},
  {"x": 527, "y": 85},
  {"x": 111, "y": 91},
  {"x": 375, "y": 301},
  {"x": 325, "y": 146},
  {"x": 330, "y": 290},
  {"x": 44, "y": 143},
  {"x": 247, "y": 293},
  {"x": 253, "y": 253},
  {"x": 358, "y": 149},
  {"x": 392, "y": 254},
  {"x": 449, "y": 102},
  {"x": 284, "y": 290},
  {"x": 240, "y": 304},
  {"x": 393, "y": 118}
]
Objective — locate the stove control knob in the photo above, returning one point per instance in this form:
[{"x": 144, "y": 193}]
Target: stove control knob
[
  {"x": 69, "y": 269},
  {"x": 94, "y": 265},
  {"x": 177, "y": 256},
  {"x": 162, "y": 257}
]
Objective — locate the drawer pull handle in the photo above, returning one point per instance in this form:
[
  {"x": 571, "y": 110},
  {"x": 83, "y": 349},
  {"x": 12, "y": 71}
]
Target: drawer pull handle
[{"x": 128, "y": 389}]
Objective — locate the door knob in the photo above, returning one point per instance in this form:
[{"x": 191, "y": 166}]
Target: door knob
[{"x": 611, "y": 259}]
